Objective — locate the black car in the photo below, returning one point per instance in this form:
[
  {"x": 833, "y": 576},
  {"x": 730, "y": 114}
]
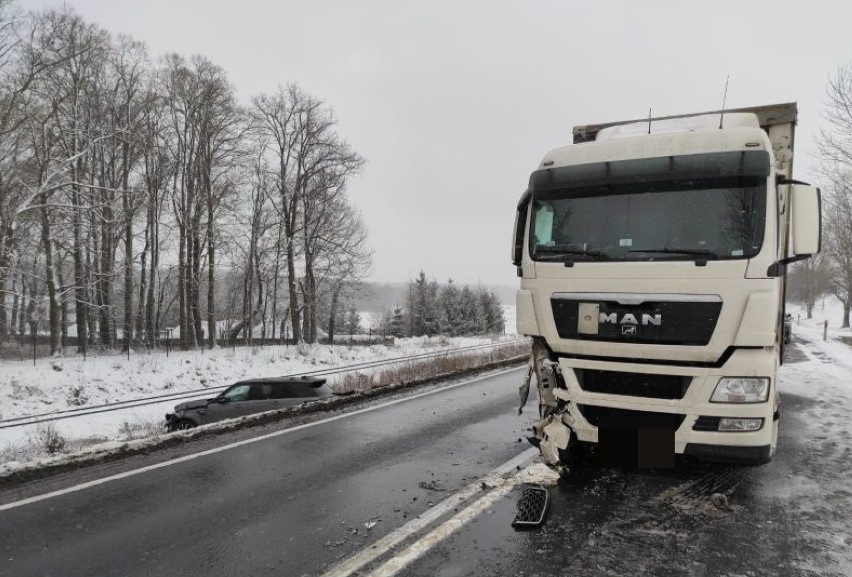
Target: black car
[{"x": 247, "y": 398}]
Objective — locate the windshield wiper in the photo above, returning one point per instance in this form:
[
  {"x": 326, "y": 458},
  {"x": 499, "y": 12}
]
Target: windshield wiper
[
  {"x": 696, "y": 251},
  {"x": 702, "y": 254},
  {"x": 566, "y": 254}
]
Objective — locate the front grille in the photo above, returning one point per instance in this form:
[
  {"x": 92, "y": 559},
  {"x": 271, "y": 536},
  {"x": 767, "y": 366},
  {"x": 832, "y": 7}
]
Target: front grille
[
  {"x": 608, "y": 417},
  {"x": 653, "y": 322},
  {"x": 706, "y": 424},
  {"x": 633, "y": 384}
]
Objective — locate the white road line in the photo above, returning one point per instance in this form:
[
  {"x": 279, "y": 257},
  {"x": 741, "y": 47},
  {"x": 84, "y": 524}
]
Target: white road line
[
  {"x": 185, "y": 458},
  {"x": 357, "y": 561},
  {"x": 423, "y": 545}
]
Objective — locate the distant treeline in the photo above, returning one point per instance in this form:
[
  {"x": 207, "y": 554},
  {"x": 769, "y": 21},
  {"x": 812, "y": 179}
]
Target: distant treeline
[{"x": 433, "y": 308}]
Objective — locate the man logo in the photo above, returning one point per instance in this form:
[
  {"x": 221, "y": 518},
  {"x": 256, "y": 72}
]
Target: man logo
[
  {"x": 628, "y": 330},
  {"x": 630, "y": 319}
]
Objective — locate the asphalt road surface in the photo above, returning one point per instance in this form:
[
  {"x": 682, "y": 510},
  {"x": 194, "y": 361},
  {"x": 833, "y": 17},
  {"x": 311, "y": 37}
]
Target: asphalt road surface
[
  {"x": 785, "y": 518},
  {"x": 398, "y": 489},
  {"x": 287, "y": 505}
]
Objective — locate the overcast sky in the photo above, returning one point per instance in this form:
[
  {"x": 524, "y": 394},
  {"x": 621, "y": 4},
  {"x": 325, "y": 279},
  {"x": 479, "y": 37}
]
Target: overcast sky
[{"x": 453, "y": 103}]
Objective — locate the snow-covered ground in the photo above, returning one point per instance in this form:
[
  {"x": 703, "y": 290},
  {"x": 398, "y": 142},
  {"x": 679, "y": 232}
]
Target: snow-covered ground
[
  {"x": 816, "y": 489},
  {"x": 68, "y": 383}
]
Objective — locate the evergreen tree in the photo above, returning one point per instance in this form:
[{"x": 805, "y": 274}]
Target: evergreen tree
[
  {"x": 492, "y": 312},
  {"x": 352, "y": 321},
  {"x": 450, "y": 316},
  {"x": 431, "y": 309},
  {"x": 470, "y": 315},
  {"x": 423, "y": 306},
  {"x": 396, "y": 323}
]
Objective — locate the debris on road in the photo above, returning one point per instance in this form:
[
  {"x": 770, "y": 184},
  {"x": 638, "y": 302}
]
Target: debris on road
[
  {"x": 532, "y": 507},
  {"x": 720, "y": 501},
  {"x": 539, "y": 474},
  {"x": 431, "y": 486}
]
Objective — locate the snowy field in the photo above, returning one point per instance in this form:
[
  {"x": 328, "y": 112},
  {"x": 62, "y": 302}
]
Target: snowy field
[{"x": 69, "y": 383}]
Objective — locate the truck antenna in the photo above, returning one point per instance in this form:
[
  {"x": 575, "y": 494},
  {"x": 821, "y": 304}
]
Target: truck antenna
[
  {"x": 724, "y": 99},
  {"x": 649, "y": 121}
]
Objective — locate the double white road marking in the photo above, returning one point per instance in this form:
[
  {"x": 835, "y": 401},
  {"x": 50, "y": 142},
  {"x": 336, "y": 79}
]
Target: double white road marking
[{"x": 496, "y": 485}]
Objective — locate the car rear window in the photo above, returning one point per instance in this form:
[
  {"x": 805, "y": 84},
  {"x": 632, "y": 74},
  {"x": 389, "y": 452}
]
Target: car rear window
[{"x": 293, "y": 391}]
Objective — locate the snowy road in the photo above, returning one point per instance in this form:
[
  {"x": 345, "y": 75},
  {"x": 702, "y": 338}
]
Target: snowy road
[{"x": 298, "y": 503}]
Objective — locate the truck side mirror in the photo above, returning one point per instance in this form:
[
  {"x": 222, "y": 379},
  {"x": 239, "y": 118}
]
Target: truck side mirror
[
  {"x": 806, "y": 220},
  {"x": 520, "y": 226}
]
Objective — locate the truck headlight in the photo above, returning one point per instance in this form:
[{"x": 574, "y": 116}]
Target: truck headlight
[{"x": 741, "y": 390}]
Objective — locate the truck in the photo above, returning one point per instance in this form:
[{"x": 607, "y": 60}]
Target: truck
[{"x": 652, "y": 257}]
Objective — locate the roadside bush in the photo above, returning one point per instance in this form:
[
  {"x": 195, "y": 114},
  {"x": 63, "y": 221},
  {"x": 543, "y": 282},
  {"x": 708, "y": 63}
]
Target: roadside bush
[
  {"x": 140, "y": 429},
  {"x": 47, "y": 438},
  {"x": 77, "y": 397},
  {"x": 444, "y": 365}
]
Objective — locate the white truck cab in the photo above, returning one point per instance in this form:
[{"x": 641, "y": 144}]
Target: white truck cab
[{"x": 652, "y": 257}]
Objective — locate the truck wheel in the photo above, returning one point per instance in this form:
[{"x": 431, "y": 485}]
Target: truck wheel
[{"x": 184, "y": 425}]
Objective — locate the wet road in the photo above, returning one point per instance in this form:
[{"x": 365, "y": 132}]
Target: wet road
[
  {"x": 287, "y": 505},
  {"x": 299, "y": 503},
  {"x": 789, "y": 517}
]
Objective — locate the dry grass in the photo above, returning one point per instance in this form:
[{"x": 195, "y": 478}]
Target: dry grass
[
  {"x": 46, "y": 438},
  {"x": 140, "y": 428},
  {"x": 359, "y": 382}
]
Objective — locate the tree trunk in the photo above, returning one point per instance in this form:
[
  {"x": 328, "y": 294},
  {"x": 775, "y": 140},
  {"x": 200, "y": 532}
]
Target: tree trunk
[
  {"x": 182, "y": 304},
  {"x": 295, "y": 318},
  {"x": 4, "y": 316},
  {"x": 16, "y": 300},
  {"x": 275, "y": 283},
  {"x": 128, "y": 270},
  {"x": 50, "y": 279},
  {"x": 150, "y": 328},
  {"x": 81, "y": 298},
  {"x": 63, "y": 308},
  {"x": 22, "y": 312},
  {"x": 211, "y": 268},
  {"x": 141, "y": 306},
  {"x": 198, "y": 331},
  {"x": 332, "y": 315}
]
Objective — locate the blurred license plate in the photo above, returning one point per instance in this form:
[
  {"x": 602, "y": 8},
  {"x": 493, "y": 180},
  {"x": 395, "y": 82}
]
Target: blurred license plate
[{"x": 631, "y": 448}]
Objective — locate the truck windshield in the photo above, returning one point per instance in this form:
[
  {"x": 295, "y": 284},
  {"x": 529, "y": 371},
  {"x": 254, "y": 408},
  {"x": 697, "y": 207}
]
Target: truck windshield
[{"x": 673, "y": 220}]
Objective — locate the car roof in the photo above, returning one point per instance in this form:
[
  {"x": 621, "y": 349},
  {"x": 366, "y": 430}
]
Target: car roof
[{"x": 305, "y": 381}]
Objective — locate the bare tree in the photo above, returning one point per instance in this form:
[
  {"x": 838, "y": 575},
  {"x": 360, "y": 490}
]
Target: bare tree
[
  {"x": 838, "y": 241},
  {"x": 835, "y": 146},
  {"x": 128, "y": 196},
  {"x": 810, "y": 280}
]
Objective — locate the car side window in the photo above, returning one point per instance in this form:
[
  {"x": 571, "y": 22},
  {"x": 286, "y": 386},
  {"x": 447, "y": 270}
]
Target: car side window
[
  {"x": 261, "y": 392},
  {"x": 238, "y": 393},
  {"x": 281, "y": 391}
]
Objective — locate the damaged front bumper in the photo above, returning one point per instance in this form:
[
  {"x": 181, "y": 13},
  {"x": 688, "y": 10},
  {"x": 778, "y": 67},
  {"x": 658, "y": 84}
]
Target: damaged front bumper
[
  {"x": 171, "y": 420},
  {"x": 554, "y": 428},
  {"x": 571, "y": 413}
]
